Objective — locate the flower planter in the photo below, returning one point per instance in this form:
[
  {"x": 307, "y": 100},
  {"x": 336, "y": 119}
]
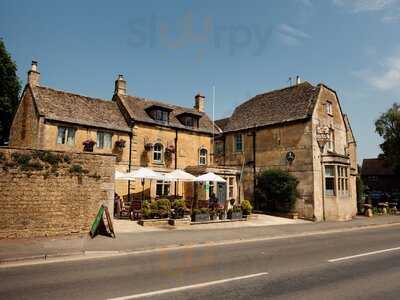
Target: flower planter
[
  {"x": 235, "y": 215},
  {"x": 201, "y": 217}
]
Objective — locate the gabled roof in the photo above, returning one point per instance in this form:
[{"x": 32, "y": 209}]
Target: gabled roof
[
  {"x": 376, "y": 167},
  {"x": 289, "y": 104},
  {"x": 221, "y": 123},
  {"x": 77, "y": 109},
  {"x": 136, "y": 108}
]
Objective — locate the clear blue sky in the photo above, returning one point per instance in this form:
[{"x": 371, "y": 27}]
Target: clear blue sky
[{"x": 170, "y": 50}]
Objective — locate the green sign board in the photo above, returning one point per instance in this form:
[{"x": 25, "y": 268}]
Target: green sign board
[{"x": 96, "y": 222}]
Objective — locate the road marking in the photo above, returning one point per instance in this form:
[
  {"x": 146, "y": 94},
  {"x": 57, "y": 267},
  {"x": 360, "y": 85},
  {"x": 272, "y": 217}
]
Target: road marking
[
  {"x": 187, "y": 287},
  {"x": 363, "y": 254}
]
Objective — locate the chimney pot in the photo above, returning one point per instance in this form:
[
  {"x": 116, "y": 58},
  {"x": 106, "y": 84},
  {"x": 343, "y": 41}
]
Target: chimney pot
[
  {"x": 120, "y": 85},
  {"x": 199, "y": 103},
  {"x": 33, "y": 74}
]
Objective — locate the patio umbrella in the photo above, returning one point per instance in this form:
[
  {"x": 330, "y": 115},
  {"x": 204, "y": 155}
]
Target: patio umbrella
[
  {"x": 123, "y": 176},
  {"x": 146, "y": 173},
  {"x": 210, "y": 176},
  {"x": 179, "y": 175}
]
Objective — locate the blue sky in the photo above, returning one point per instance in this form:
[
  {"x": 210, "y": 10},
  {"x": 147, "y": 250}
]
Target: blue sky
[{"x": 170, "y": 50}]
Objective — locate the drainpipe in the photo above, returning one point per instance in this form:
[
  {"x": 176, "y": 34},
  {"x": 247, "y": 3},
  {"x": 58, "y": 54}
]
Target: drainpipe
[
  {"x": 130, "y": 161},
  {"x": 254, "y": 164},
  {"x": 176, "y": 155}
]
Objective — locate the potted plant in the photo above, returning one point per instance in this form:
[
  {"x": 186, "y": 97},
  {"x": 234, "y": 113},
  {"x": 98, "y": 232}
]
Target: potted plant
[
  {"x": 120, "y": 144},
  {"x": 164, "y": 208},
  {"x": 179, "y": 207},
  {"x": 200, "y": 215},
  {"x": 88, "y": 145},
  {"x": 246, "y": 207},
  {"x": 235, "y": 213},
  {"x": 169, "y": 150},
  {"x": 146, "y": 210}
]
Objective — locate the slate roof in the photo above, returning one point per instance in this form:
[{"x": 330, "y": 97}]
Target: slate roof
[
  {"x": 221, "y": 123},
  {"x": 289, "y": 104},
  {"x": 137, "y": 106},
  {"x": 77, "y": 109},
  {"x": 376, "y": 167}
]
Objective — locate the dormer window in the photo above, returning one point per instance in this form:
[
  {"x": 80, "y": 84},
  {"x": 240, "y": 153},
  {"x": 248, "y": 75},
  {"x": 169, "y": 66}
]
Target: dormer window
[
  {"x": 159, "y": 113},
  {"x": 189, "y": 119}
]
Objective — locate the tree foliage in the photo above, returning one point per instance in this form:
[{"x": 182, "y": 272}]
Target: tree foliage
[
  {"x": 277, "y": 190},
  {"x": 9, "y": 91},
  {"x": 388, "y": 127}
]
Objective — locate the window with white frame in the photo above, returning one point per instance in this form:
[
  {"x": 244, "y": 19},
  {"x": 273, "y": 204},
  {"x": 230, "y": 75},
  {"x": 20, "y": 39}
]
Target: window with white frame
[
  {"x": 238, "y": 143},
  {"x": 328, "y": 108},
  {"x": 330, "y": 180},
  {"x": 158, "y": 153},
  {"x": 203, "y": 157},
  {"x": 161, "y": 115},
  {"x": 66, "y": 135},
  {"x": 104, "y": 139},
  {"x": 162, "y": 188},
  {"x": 331, "y": 141},
  {"x": 342, "y": 180}
]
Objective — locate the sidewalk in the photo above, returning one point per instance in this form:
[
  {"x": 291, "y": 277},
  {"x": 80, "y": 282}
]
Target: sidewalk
[{"x": 14, "y": 250}]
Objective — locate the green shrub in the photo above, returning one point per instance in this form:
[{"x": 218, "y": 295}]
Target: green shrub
[
  {"x": 146, "y": 210},
  {"x": 35, "y": 165},
  {"x": 246, "y": 207},
  {"x": 67, "y": 159},
  {"x": 179, "y": 207},
  {"x": 154, "y": 209},
  {"x": 204, "y": 210},
  {"x": 21, "y": 159},
  {"x": 164, "y": 207},
  {"x": 277, "y": 190},
  {"x": 51, "y": 158},
  {"x": 78, "y": 169}
]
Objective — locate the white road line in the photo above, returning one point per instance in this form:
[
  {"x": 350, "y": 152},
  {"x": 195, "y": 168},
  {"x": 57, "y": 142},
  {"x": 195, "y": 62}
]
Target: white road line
[
  {"x": 187, "y": 287},
  {"x": 363, "y": 254}
]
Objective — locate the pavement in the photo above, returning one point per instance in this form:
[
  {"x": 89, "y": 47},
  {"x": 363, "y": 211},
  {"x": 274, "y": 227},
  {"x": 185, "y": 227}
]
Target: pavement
[
  {"x": 47, "y": 249},
  {"x": 353, "y": 264}
]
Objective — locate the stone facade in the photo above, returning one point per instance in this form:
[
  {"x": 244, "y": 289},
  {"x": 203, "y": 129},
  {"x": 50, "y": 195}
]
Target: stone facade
[
  {"x": 53, "y": 200},
  {"x": 278, "y": 123},
  {"x": 275, "y": 141}
]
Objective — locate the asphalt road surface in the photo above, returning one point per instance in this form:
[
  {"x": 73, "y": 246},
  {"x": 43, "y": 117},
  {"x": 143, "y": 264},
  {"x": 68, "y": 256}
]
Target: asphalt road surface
[{"x": 361, "y": 264}]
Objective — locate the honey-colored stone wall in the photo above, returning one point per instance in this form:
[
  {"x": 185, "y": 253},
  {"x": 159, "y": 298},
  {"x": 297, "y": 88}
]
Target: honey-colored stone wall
[
  {"x": 25, "y": 126},
  {"x": 272, "y": 145},
  {"x": 187, "y": 152},
  {"x": 53, "y": 201},
  {"x": 337, "y": 207}
]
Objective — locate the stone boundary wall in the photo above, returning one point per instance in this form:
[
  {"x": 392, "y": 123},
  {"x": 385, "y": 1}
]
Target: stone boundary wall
[{"x": 47, "y": 193}]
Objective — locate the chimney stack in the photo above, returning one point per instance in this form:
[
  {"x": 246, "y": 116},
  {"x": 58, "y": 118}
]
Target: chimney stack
[
  {"x": 298, "y": 80},
  {"x": 33, "y": 74},
  {"x": 200, "y": 103},
  {"x": 120, "y": 85}
]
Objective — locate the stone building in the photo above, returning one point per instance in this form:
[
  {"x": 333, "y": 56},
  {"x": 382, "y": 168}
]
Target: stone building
[
  {"x": 303, "y": 130},
  {"x": 154, "y": 134},
  {"x": 279, "y": 129}
]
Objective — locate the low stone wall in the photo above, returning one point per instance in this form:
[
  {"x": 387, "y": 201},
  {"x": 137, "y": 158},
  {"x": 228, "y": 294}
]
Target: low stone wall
[{"x": 46, "y": 193}]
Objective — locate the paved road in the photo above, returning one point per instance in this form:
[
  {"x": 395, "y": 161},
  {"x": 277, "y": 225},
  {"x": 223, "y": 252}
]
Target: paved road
[{"x": 296, "y": 268}]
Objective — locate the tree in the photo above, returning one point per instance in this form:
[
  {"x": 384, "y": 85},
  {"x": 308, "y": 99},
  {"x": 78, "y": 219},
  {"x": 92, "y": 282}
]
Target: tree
[
  {"x": 277, "y": 190},
  {"x": 9, "y": 91},
  {"x": 388, "y": 127}
]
